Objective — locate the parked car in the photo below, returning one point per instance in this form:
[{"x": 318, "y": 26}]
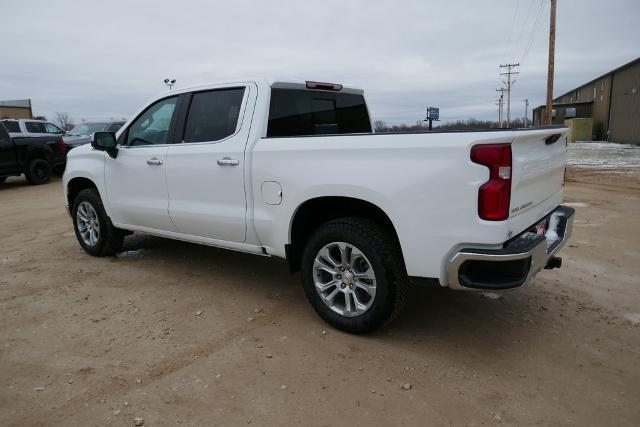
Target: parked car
[
  {"x": 292, "y": 169},
  {"x": 81, "y": 134},
  {"x": 28, "y": 127},
  {"x": 35, "y": 157}
]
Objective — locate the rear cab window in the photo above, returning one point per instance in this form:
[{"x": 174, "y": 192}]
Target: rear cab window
[{"x": 300, "y": 112}]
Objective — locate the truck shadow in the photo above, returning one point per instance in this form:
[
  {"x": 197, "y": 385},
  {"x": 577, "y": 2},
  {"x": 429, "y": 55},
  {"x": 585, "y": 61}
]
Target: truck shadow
[
  {"x": 449, "y": 320},
  {"x": 17, "y": 182}
]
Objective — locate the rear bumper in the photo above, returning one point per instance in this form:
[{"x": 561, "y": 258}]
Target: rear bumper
[{"x": 517, "y": 262}]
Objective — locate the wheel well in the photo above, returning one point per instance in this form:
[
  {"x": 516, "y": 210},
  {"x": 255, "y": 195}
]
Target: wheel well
[
  {"x": 75, "y": 186},
  {"x": 315, "y": 212},
  {"x": 38, "y": 153}
]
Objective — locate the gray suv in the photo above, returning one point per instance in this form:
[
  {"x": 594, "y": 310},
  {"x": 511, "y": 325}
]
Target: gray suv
[{"x": 81, "y": 134}]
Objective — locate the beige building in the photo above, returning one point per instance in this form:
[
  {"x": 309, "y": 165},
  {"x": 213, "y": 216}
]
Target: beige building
[
  {"x": 611, "y": 100},
  {"x": 16, "y": 109}
]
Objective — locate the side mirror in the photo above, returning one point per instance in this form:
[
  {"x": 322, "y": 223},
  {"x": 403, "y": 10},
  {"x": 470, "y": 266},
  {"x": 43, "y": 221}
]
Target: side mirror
[{"x": 105, "y": 141}]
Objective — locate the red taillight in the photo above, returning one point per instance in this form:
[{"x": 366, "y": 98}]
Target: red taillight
[
  {"x": 494, "y": 196},
  {"x": 60, "y": 144}
]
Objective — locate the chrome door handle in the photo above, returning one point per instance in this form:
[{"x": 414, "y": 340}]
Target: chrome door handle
[
  {"x": 228, "y": 161},
  {"x": 154, "y": 161}
]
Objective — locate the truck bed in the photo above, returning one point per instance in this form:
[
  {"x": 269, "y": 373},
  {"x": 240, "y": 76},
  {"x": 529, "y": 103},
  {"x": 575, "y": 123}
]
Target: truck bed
[{"x": 424, "y": 181}]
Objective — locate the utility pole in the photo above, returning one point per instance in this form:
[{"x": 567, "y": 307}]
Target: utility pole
[
  {"x": 552, "y": 55},
  {"x": 501, "y": 105},
  {"x": 509, "y": 83},
  {"x": 526, "y": 113}
]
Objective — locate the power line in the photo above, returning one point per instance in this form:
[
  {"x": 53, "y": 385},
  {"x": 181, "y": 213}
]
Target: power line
[
  {"x": 513, "y": 21},
  {"x": 534, "y": 30},
  {"x": 524, "y": 25}
]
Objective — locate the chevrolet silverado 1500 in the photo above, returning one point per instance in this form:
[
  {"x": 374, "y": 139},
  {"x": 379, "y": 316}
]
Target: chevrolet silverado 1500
[{"x": 292, "y": 169}]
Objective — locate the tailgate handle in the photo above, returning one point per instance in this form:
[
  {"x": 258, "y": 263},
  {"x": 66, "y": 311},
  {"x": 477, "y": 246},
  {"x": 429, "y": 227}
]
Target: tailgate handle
[{"x": 551, "y": 139}]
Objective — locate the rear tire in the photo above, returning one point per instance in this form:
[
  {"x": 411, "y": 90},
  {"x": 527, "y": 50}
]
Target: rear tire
[
  {"x": 38, "y": 171},
  {"x": 94, "y": 230},
  {"x": 377, "y": 286}
]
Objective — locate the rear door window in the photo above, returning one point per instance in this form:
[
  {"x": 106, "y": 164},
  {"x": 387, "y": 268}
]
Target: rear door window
[
  {"x": 213, "y": 115},
  {"x": 35, "y": 127},
  {"x": 296, "y": 112}
]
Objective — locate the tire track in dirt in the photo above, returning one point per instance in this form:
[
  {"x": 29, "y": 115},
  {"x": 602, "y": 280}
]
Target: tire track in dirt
[{"x": 159, "y": 370}]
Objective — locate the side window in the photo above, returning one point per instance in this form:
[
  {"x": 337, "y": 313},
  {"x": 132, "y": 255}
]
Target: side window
[
  {"x": 12, "y": 126},
  {"x": 51, "y": 128},
  {"x": 152, "y": 127},
  {"x": 35, "y": 127},
  {"x": 4, "y": 136},
  {"x": 213, "y": 115}
]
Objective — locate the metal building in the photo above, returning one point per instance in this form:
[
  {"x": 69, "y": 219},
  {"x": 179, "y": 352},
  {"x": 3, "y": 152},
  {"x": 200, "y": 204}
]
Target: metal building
[
  {"x": 611, "y": 100},
  {"x": 16, "y": 109}
]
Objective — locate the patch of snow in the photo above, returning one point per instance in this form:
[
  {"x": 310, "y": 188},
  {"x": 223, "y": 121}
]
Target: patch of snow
[
  {"x": 633, "y": 318},
  {"x": 491, "y": 295},
  {"x": 604, "y": 155},
  {"x": 132, "y": 254}
]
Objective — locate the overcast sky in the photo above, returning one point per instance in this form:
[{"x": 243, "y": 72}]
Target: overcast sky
[{"x": 102, "y": 59}]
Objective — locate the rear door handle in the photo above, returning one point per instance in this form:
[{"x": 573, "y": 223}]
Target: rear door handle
[
  {"x": 154, "y": 161},
  {"x": 228, "y": 161}
]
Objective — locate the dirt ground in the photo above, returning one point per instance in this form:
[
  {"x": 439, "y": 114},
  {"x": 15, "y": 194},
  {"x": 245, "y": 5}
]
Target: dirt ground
[{"x": 178, "y": 333}]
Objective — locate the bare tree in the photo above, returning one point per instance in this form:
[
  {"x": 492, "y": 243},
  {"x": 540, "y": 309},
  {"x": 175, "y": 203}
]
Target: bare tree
[
  {"x": 64, "y": 121},
  {"x": 380, "y": 126},
  {"x": 420, "y": 126}
]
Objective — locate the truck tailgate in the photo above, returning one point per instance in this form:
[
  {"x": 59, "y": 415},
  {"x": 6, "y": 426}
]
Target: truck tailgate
[{"x": 538, "y": 162}]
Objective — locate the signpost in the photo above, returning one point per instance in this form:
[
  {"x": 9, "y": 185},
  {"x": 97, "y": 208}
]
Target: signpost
[{"x": 433, "y": 113}]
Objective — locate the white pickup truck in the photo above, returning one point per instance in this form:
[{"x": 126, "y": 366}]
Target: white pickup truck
[{"x": 292, "y": 169}]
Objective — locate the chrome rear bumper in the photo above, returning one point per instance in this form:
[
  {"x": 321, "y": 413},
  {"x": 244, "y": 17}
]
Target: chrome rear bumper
[{"x": 516, "y": 263}]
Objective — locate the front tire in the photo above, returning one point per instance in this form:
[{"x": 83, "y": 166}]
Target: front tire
[
  {"x": 38, "y": 171},
  {"x": 94, "y": 230},
  {"x": 353, "y": 275}
]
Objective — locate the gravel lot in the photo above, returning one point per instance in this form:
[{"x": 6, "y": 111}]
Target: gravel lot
[{"x": 177, "y": 333}]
